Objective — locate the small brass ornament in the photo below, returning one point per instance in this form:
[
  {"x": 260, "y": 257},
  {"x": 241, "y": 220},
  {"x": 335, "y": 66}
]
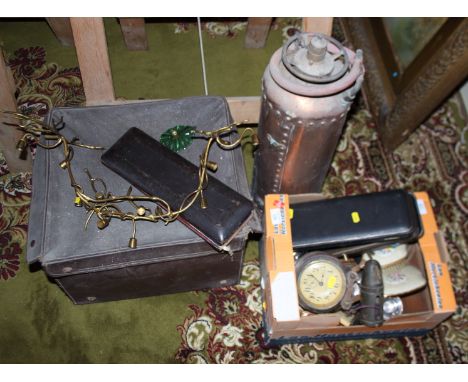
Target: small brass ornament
[
  {"x": 21, "y": 145},
  {"x": 255, "y": 140},
  {"x": 132, "y": 243},
  {"x": 210, "y": 165},
  {"x": 102, "y": 223},
  {"x": 203, "y": 203}
]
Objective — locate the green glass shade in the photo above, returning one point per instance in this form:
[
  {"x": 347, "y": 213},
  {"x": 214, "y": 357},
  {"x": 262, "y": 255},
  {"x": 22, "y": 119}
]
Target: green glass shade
[{"x": 178, "y": 137}]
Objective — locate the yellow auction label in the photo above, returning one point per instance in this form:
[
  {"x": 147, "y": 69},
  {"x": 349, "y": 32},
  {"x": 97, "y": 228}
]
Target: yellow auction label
[
  {"x": 331, "y": 282},
  {"x": 355, "y": 216}
]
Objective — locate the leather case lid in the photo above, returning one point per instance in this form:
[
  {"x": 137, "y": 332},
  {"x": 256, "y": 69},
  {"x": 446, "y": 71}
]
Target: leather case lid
[
  {"x": 156, "y": 170},
  {"x": 381, "y": 217},
  {"x": 56, "y": 228}
]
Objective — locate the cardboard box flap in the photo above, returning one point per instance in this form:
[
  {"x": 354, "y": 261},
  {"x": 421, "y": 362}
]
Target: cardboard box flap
[
  {"x": 435, "y": 255},
  {"x": 280, "y": 258}
]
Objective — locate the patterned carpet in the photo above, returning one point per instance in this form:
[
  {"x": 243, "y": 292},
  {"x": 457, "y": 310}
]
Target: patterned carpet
[{"x": 224, "y": 325}]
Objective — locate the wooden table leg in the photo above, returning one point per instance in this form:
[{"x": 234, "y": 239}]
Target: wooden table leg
[
  {"x": 134, "y": 33},
  {"x": 317, "y": 24},
  {"x": 62, "y": 29},
  {"x": 438, "y": 74},
  {"x": 91, "y": 48},
  {"x": 8, "y": 135},
  {"x": 257, "y": 31},
  {"x": 401, "y": 107}
]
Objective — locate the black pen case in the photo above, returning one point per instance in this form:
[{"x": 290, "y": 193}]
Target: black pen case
[
  {"x": 351, "y": 221},
  {"x": 156, "y": 170}
]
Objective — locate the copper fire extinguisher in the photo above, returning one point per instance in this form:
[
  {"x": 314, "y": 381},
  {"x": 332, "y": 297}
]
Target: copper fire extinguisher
[{"x": 308, "y": 88}]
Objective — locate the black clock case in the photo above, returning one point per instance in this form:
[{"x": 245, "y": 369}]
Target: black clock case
[{"x": 97, "y": 265}]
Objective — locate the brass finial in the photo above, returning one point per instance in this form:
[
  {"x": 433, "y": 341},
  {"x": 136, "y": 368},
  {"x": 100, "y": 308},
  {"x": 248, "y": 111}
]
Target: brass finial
[
  {"x": 203, "y": 203},
  {"x": 255, "y": 140},
  {"x": 212, "y": 166},
  {"x": 132, "y": 243},
  {"x": 102, "y": 223},
  {"x": 22, "y": 144}
]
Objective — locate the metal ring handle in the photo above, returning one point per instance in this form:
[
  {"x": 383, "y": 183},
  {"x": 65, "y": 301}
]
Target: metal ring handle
[{"x": 308, "y": 77}]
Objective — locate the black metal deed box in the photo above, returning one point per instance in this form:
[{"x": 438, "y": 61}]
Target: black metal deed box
[{"x": 95, "y": 265}]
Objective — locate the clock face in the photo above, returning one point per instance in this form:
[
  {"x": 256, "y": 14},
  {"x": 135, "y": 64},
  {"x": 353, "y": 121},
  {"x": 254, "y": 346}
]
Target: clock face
[{"x": 321, "y": 283}]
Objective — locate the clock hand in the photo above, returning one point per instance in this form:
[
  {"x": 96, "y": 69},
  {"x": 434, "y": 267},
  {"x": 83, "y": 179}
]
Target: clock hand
[{"x": 319, "y": 282}]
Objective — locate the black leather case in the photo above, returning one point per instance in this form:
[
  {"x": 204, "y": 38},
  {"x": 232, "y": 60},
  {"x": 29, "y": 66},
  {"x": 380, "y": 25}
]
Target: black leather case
[
  {"x": 156, "y": 170},
  {"x": 381, "y": 217}
]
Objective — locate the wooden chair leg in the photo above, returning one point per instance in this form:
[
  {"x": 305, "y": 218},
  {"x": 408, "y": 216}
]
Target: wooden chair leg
[
  {"x": 134, "y": 33},
  {"x": 317, "y": 24},
  {"x": 62, "y": 29},
  {"x": 257, "y": 31},
  {"x": 91, "y": 48},
  {"x": 8, "y": 135}
]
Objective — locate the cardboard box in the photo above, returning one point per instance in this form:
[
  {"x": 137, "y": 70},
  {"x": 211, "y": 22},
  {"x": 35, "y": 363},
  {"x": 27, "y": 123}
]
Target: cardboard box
[{"x": 284, "y": 322}]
